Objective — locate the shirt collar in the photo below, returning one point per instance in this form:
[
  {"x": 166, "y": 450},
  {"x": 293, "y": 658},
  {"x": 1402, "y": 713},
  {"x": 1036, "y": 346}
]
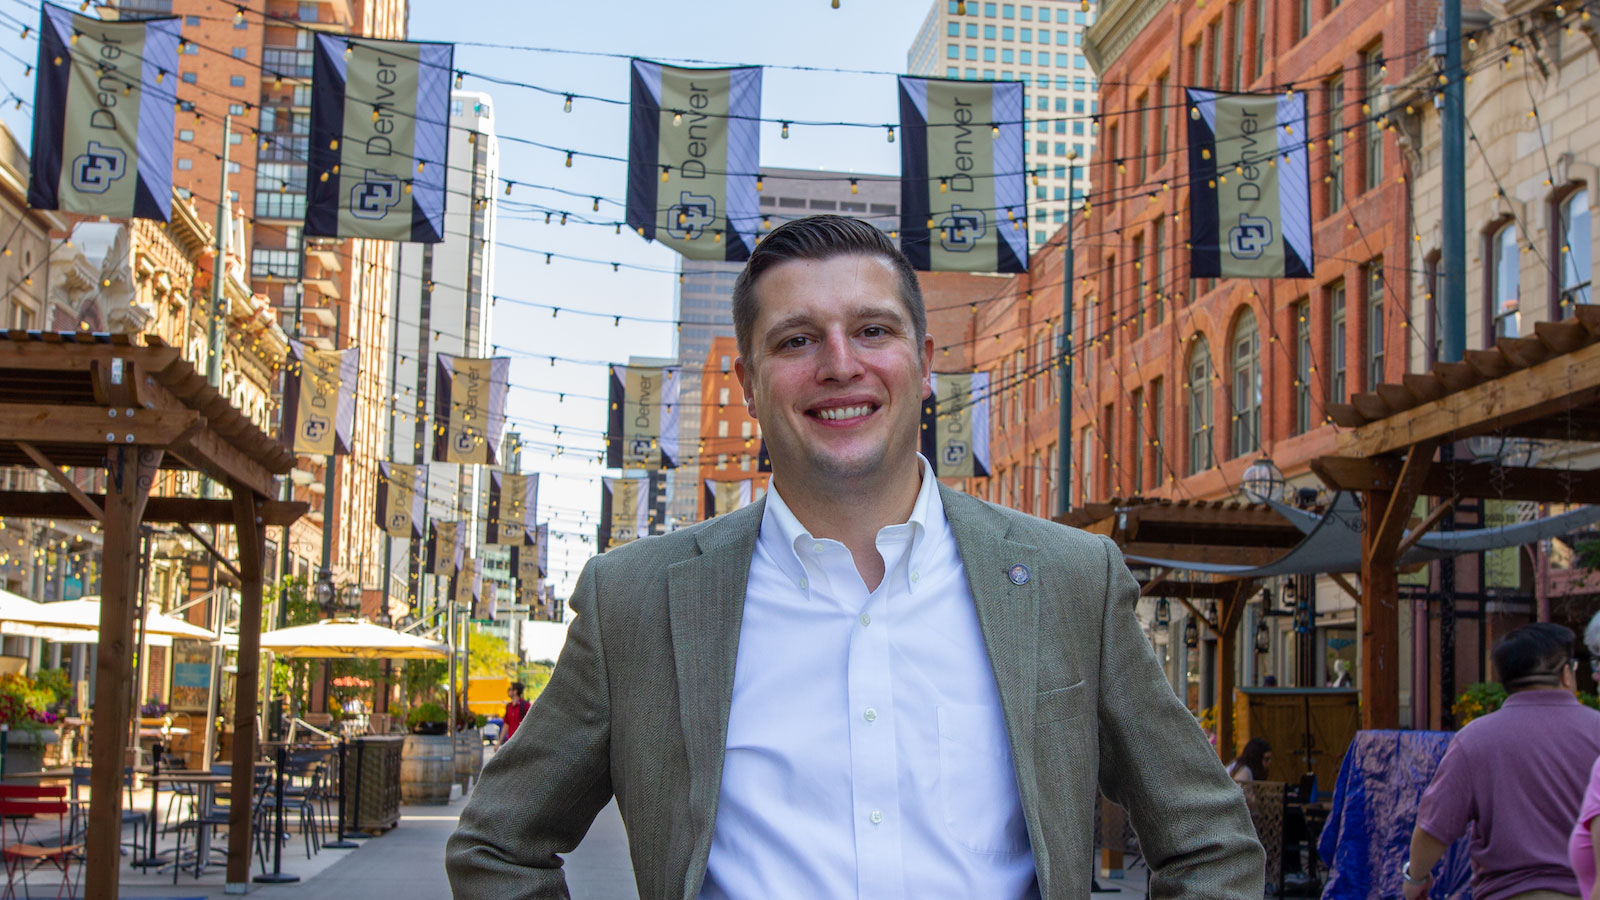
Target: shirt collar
[
  {"x": 1541, "y": 697},
  {"x": 781, "y": 532}
]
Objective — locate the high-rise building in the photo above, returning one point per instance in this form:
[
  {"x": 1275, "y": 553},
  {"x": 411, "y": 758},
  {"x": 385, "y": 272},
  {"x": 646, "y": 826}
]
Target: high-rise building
[
  {"x": 1039, "y": 43},
  {"x": 250, "y": 61},
  {"x": 704, "y": 302},
  {"x": 457, "y": 322}
]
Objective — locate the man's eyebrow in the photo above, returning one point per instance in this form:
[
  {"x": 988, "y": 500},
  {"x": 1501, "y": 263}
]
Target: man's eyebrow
[{"x": 860, "y": 313}]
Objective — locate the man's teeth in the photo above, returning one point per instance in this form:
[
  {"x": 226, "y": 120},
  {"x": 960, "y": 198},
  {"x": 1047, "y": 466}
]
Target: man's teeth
[{"x": 844, "y": 412}]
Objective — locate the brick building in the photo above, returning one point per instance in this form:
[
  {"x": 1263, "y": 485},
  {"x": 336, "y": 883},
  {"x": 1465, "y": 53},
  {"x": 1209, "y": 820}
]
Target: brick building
[{"x": 730, "y": 438}]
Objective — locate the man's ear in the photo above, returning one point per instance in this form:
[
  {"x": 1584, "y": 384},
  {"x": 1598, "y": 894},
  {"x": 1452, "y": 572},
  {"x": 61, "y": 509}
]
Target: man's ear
[
  {"x": 927, "y": 366},
  {"x": 746, "y": 384}
]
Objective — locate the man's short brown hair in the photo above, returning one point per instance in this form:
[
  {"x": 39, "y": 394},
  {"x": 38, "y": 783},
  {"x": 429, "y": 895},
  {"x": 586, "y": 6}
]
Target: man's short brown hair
[{"x": 818, "y": 238}]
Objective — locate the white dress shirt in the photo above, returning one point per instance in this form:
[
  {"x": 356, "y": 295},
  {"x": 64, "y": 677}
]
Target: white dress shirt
[{"x": 867, "y": 754}]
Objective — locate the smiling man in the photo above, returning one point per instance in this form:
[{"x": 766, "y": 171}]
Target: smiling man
[{"x": 866, "y": 684}]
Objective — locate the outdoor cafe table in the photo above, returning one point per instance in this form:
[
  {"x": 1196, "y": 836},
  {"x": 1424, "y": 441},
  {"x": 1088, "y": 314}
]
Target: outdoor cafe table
[{"x": 206, "y": 782}]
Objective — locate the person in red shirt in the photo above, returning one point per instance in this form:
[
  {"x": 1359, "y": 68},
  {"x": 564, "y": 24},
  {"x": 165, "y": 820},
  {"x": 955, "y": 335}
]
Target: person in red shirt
[{"x": 516, "y": 711}]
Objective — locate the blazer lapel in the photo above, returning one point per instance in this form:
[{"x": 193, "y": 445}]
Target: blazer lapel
[
  {"x": 1008, "y": 617},
  {"x": 705, "y": 598}
]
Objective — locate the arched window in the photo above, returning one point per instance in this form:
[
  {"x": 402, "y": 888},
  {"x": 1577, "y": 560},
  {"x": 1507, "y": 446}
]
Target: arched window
[
  {"x": 1504, "y": 282},
  {"x": 1199, "y": 372},
  {"x": 1246, "y": 387},
  {"x": 1573, "y": 252}
]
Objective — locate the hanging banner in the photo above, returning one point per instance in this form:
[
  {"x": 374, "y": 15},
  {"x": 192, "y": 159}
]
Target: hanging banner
[
  {"x": 400, "y": 499},
  {"x": 694, "y": 143},
  {"x": 319, "y": 397},
  {"x": 1249, "y": 187},
  {"x": 531, "y": 565},
  {"x": 726, "y": 496},
  {"x": 963, "y": 183},
  {"x": 470, "y": 409},
  {"x": 513, "y": 503},
  {"x": 642, "y": 431},
  {"x": 631, "y": 508},
  {"x": 380, "y": 117},
  {"x": 467, "y": 586},
  {"x": 955, "y": 425},
  {"x": 103, "y": 116},
  {"x": 447, "y": 548}
]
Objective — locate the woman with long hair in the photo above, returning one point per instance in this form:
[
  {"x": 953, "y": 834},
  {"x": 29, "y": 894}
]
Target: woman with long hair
[{"x": 1252, "y": 762}]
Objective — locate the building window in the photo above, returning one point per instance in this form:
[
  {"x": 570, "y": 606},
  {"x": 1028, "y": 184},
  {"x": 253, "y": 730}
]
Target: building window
[
  {"x": 1372, "y": 64},
  {"x": 1158, "y": 272},
  {"x": 1504, "y": 282},
  {"x": 283, "y": 265},
  {"x": 1161, "y": 121},
  {"x": 952, "y": 51},
  {"x": 1432, "y": 296},
  {"x": 1573, "y": 252},
  {"x": 1199, "y": 371},
  {"x": 1237, "y": 12},
  {"x": 1139, "y": 292},
  {"x": 236, "y": 81},
  {"x": 1214, "y": 36},
  {"x": 1261, "y": 39},
  {"x": 1336, "y": 344},
  {"x": 1303, "y": 369},
  {"x": 1136, "y": 406},
  {"x": 1158, "y": 434},
  {"x": 1302, "y": 23},
  {"x": 1141, "y": 137},
  {"x": 1335, "y": 177},
  {"x": 186, "y": 134},
  {"x": 190, "y": 78},
  {"x": 1108, "y": 449},
  {"x": 239, "y": 53},
  {"x": 1246, "y": 384},
  {"x": 185, "y": 165},
  {"x": 1375, "y": 335}
]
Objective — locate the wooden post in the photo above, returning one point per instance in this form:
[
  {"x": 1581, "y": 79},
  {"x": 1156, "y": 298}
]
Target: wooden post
[
  {"x": 252, "y": 548},
  {"x": 131, "y": 471},
  {"x": 1380, "y": 623},
  {"x": 1229, "y": 616}
]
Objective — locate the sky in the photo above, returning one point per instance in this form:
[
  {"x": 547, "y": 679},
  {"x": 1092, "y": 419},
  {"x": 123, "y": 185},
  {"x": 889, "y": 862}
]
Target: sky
[{"x": 581, "y": 48}]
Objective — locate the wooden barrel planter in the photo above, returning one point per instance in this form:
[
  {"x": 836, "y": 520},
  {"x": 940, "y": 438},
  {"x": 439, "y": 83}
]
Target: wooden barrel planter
[
  {"x": 468, "y": 755},
  {"x": 427, "y": 769}
]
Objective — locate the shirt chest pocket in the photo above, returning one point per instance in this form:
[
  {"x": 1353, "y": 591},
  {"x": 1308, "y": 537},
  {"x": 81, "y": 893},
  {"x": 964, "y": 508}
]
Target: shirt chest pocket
[{"x": 977, "y": 781}]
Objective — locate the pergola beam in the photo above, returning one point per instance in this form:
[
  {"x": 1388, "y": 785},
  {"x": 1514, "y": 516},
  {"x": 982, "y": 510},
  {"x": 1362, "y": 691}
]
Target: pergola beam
[
  {"x": 158, "y": 510},
  {"x": 1466, "y": 480},
  {"x": 95, "y": 510},
  {"x": 107, "y": 426}
]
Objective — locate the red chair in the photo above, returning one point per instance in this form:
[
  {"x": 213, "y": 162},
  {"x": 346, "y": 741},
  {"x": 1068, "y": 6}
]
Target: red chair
[{"x": 21, "y": 805}]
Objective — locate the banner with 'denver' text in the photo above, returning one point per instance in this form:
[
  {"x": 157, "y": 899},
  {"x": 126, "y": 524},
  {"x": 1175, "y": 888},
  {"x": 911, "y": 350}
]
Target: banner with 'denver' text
[
  {"x": 955, "y": 425},
  {"x": 469, "y": 412},
  {"x": 631, "y": 508},
  {"x": 104, "y": 109},
  {"x": 642, "y": 430},
  {"x": 963, "y": 188},
  {"x": 380, "y": 119},
  {"x": 1249, "y": 186},
  {"x": 447, "y": 549},
  {"x": 513, "y": 503},
  {"x": 401, "y": 490},
  {"x": 694, "y": 144},
  {"x": 319, "y": 399}
]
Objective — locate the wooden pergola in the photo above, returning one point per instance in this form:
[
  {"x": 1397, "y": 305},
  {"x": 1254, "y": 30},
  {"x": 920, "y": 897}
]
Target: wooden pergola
[
  {"x": 1544, "y": 387},
  {"x": 1219, "y": 531},
  {"x": 100, "y": 401}
]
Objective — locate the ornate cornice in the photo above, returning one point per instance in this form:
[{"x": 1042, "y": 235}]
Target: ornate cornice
[{"x": 1114, "y": 29}]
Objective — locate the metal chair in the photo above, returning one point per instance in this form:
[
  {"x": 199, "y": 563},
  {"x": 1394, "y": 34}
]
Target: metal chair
[{"x": 28, "y": 803}]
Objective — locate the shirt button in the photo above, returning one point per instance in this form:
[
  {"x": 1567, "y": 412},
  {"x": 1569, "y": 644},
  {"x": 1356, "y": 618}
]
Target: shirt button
[
  {"x": 817, "y": 547},
  {"x": 876, "y": 817},
  {"x": 866, "y": 619},
  {"x": 871, "y": 715},
  {"x": 914, "y": 576},
  {"x": 804, "y": 584}
]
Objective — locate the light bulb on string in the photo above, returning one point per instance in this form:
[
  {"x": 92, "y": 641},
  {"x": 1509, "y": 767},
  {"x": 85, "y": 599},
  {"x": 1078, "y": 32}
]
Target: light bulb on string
[
  {"x": 785, "y": 132},
  {"x": 566, "y": 104}
]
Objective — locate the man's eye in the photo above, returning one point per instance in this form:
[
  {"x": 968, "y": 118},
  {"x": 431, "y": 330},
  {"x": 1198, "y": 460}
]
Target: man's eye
[
  {"x": 796, "y": 341},
  {"x": 874, "y": 331}
]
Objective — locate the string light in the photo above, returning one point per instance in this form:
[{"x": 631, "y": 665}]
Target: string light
[
  {"x": 566, "y": 105},
  {"x": 458, "y": 81},
  {"x": 891, "y": 134},
  {"x": 785, "y": 132}
]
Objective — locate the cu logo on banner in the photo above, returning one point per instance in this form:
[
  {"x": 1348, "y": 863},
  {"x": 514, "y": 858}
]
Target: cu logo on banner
[
  {"x": 399, "y": 520},
  {"x": 961, "y": 229},
  {"x": 463, "y": 441},
  {"x": 1251, "y": 238},
  {"x": 639, "y": 448},
  {"x": 954, "y": 454},
  {"x": 373, "y": 196},
  {"x": 315, "y": 429},
  {"x": 691, "y": 215},
  {"x": 95, "y": 168}
]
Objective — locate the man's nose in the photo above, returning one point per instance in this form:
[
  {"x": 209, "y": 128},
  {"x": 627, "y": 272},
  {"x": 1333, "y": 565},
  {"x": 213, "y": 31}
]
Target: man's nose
[{"x": 839, "y": 360}]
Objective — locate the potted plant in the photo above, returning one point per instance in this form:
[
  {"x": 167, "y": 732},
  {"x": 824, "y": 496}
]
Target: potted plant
[
  {"x": 27, "y": 723},
  {"x": 427, "y": 718}
]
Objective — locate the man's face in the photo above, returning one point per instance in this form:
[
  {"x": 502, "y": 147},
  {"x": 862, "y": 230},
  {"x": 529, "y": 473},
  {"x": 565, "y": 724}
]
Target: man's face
[
  {"x": 511, "y": 694},
  {"x": 835, "y": 374}
]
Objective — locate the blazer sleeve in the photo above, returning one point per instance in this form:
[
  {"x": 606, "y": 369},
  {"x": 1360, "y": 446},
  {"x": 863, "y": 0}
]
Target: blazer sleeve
[
  {"x": 1191, "y": 818},
  {"x": 540, "y": 792}
]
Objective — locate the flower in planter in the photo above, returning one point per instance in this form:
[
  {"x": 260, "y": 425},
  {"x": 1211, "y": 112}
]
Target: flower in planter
[{"x": 23, "y": 704}]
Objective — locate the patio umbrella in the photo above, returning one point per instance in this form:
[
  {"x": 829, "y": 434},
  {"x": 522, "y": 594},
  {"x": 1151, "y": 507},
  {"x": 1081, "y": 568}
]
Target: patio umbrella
[
  {"x": 349, "y": 639},
  {"x": 78, "y": 621}
]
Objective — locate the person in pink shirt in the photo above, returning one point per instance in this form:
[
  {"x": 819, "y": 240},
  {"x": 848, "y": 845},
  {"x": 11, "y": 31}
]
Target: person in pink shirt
[{"x": 1581, "y": 847}]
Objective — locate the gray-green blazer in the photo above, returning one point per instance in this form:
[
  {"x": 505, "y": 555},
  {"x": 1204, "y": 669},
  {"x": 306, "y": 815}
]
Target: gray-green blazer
[{"x": 638, "y": 708}]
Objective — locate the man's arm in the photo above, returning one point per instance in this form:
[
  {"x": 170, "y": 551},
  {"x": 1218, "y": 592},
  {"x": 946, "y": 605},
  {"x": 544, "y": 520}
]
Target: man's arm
[
  {"x": 542, "y": 789},
  {"x": 1425, "y": 852},
  {"x": 1191, "y": 818}
]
